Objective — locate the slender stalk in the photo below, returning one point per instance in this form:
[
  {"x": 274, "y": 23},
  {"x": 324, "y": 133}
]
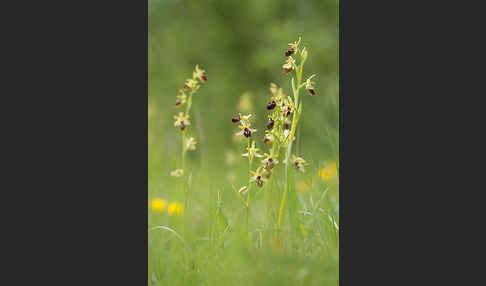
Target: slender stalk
[
  {"x": 288, "y": 150},
  {"x": 184, "y": 151},
  {"x": 249, "y": 186}
]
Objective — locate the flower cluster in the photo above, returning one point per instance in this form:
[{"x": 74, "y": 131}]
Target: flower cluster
[
  {"x": 182, "y": 119},
  {"x": 173, "y": 208},
  {"x": 190, "y": 87},
  {"x": 286, "y": 111}
]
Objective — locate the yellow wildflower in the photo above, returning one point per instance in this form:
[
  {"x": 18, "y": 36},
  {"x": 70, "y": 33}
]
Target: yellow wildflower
[
  {"x": 158, "y": 205},
  {"x": 302, "y": 187},
  {"x": 175, "y": 208},
  {"x": 329, "y": 172}
]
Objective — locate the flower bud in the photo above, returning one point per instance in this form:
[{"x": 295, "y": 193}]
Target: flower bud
[
  {"x": 271, "y": 105},
  {"x": 186, "y": 87},
  {"x": 178, "y": 102},
  {"x": 247, "y": 132}
]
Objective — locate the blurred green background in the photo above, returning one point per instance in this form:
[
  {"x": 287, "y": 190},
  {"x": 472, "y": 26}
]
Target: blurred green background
[{"x": 241, "y": 46}]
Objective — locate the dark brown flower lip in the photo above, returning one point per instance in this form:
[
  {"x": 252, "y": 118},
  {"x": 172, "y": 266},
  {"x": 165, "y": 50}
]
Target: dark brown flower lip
[
  {"x": 178, "y": 102},
  {"x": 247, "y": 132},
  {"x": 287, "y": 71},
  {"x": 311, "y": 91},
  {"x": 204, "y": 78},
  {"x": 270, "y": 124},
  {"x": 271, "y": 105},
  {"x": 183, "y": 126},
  {"x": 186, "y": 87},
  {"x": 259, "y": 181},
  {"x": 289, "y": 52},
  {"x": 269, "y": 165},
  {"x": 235, "y": 119}
]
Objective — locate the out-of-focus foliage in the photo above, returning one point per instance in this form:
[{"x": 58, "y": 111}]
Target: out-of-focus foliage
[{"x": 241, "y": 44}]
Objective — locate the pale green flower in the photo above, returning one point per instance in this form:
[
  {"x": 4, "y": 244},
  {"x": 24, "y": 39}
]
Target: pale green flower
[
  {"x": 270, "y": 160},
  {"x": 309, "y": 85},
  {"x": 199, "y": 74},
  {"x": 190, "y": 83},
  {"x": 181, "y": 98},
  {"x": 191, "y": 144},
  {"x": 288, "y": 67},
  {"x": 177, "y": 173},
  {"x": 181, "y": 120},
  {"x": 298, "y": 163},
  {"x": 258, "y": 176},
  {"x": 295, "y": 45},
  {"x": 245, "y": 126}
]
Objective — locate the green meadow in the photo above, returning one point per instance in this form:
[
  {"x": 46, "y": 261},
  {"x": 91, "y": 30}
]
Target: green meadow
[{"x": 200, "y": 230}]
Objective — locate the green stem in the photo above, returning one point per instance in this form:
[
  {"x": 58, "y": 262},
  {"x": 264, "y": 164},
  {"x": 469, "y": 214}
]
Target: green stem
[
  {"x": 186, "y": 173},
  {"x": 249, "y": 186},
  {"x": 288, "y": 150}
]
